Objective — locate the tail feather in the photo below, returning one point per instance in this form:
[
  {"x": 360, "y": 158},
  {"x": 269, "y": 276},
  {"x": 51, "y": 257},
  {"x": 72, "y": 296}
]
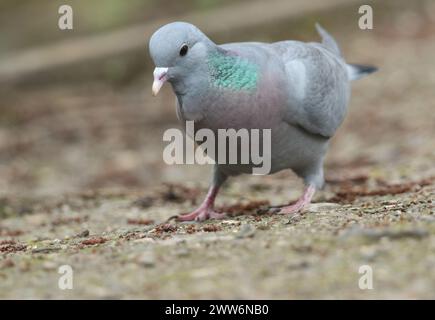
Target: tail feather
[
  {"x": 357, "y": 71},
  {"x": 327, "y": 40}
]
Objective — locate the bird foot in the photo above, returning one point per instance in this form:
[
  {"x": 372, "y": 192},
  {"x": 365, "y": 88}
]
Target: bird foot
[
  {"x": 294, "y": 208},
  {"x": 302, "y": 202},
  {"x": 201, "y": 214}
]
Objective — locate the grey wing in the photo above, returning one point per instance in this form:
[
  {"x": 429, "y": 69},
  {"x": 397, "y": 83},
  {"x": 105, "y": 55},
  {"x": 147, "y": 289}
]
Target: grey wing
[{"x": 318, "y": 86}]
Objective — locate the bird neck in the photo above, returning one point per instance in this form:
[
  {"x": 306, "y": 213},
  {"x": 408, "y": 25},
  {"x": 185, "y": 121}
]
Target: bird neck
[{"x": 231, "y": 71}]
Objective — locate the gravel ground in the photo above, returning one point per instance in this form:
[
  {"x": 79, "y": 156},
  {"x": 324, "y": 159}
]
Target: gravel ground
[{"x": 83, "y": 184}]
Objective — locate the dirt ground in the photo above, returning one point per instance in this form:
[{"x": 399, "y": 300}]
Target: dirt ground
[{"x": 82, "y": 183}]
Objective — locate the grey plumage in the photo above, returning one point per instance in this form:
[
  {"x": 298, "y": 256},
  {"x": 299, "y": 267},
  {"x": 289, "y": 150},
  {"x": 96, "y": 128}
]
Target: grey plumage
[
  {"x": 327, "y": 40},
  {"x": 299, "y": 90}
]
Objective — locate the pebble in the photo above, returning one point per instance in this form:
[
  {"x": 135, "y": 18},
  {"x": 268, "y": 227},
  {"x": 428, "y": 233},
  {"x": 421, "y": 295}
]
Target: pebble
[
  {"x": 231, "y": 222},
  {"x": 246, "y": 231},
  {"x": 298, "y": 265},
  {"x": 263, "y": 226},
  {"x": 46, "y": 249},
  {"x": 146, "y": 259},
  {"x": 294, "y": 218},
  {"x": 83, "y": 234}
]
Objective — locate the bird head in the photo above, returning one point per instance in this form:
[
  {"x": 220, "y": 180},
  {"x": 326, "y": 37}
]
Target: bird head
[{"x": 177, "y": 50}]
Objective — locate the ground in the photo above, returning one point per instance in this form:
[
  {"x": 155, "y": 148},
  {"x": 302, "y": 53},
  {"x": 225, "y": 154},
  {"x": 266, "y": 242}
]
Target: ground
[{"x": 83, "y": 184}]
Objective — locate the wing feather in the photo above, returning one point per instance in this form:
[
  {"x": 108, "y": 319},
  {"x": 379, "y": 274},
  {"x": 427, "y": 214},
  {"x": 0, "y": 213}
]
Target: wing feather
[{"x": 318, "y": 87}]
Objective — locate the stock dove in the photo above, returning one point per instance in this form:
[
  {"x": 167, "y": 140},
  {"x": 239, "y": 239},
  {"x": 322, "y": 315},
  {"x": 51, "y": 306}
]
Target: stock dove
[{"x": 298, "y": 90}]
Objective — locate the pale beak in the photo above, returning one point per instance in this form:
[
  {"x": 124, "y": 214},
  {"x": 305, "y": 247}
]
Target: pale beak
[{"x": 160, "y": 77}]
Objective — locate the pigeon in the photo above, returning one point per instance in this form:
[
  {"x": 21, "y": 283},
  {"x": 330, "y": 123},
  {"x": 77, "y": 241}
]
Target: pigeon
[{"x": 299, "y": 90}]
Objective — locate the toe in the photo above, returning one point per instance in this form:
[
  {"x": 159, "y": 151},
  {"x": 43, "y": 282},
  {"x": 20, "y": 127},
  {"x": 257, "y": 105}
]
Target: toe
[
  {"x": 217, "y": 215},
  {"x": 187, "y": 217},
  {"x": 290, "y": 210},
  {"x": 201, "y": 217}
]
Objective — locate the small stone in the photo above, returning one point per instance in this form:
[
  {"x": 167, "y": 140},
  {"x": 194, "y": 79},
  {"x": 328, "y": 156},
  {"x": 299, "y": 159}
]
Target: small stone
[
  {"x": 298, "y": 265},
  {"x": 46, "y": 249},
  {"x": 294, "y": 218},
  {"x": 231, "y": 222},
  {"x": 246, "y": 231},
  {"x": 83, "y": 234},
  {"x": 146, "y": 259},
  {"x": 144, "y": 202},
  {"x": 263, "y": 226},
  {"x": 368, "y": 253}
]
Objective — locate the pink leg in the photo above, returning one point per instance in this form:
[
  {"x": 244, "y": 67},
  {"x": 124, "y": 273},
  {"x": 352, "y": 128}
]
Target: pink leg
[
  {"x": 205, "y": 210},
  {"x": 304, "y": 200}
]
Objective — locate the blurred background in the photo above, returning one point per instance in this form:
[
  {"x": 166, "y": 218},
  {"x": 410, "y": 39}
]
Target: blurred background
[{"x": 76, "y": 111}]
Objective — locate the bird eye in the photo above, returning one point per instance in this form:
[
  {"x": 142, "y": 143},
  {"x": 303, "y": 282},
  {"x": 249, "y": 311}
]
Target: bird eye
[{"x": 183, "y": 50}]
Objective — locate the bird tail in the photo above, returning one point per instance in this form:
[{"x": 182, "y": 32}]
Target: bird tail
[
  {"x": 354, "y": 71},
  {"x": 327, "y": 40},
  {"x": 357, "y": 71}
]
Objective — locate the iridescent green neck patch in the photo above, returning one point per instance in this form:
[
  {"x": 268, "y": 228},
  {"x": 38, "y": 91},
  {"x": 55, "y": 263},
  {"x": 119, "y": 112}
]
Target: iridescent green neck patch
[{"x": 232, "y": 72}]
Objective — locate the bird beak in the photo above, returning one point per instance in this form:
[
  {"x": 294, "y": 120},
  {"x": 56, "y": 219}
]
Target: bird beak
[{"x": 160, "y": 77}]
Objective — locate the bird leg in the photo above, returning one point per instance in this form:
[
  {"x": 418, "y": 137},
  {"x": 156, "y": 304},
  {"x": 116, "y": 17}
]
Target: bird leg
[
  {"x": 205, "y": 210},
  {"x": 302, "y": 202}
]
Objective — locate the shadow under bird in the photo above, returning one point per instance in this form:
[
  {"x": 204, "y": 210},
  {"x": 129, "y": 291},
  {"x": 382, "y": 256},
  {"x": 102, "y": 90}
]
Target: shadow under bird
[{"x": 298, "y": 90}]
